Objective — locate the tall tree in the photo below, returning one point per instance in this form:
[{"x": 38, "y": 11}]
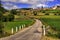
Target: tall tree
[
  {"x": 1, "y": 15},
  {"x": 0, "y": 3},
  {"x": 0, "y": 11},
  {"x": 13, "y": 11},
  {"x": 1, "y": 8}
]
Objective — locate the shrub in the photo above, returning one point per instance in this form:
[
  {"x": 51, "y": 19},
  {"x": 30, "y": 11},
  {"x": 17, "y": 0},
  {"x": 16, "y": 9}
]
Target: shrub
[
  {"x": 46, "y": 13},
  {"x": 10, "y": 17}
]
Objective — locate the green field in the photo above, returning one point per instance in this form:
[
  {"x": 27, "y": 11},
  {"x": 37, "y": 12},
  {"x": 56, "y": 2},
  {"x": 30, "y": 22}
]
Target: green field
[
  {"x": 54, "y": 23},
  {"x": 17, "y": 23}
]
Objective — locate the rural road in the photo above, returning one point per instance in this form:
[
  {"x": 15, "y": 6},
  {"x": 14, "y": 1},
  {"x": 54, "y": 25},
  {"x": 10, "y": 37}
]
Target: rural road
[{"x": 33, "y": 32}]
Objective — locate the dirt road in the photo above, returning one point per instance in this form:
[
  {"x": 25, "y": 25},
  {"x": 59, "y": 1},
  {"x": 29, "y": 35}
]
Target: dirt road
[{"x": 33, "y": 32}]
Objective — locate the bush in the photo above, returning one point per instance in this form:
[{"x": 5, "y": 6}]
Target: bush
[
  {"x": 35, "y": 13},
  {"x": 1, "y": 16},
  {"x": 10, "y": 17},
  {"x": 13, "y": 11},
  {"x": 46, "y": 13},
  {"x": 58, "y": 35},
  {"x": 1, "y": 27},
  {"x": 4, "y": 19},
  {"x": 59, "y": 14}
]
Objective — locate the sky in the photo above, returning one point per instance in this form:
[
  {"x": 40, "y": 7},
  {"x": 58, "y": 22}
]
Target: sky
[{"x": 14, "y": 4}]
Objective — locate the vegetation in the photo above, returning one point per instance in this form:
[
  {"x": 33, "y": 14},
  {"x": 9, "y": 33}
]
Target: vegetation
[
  {"x": 2, "y": 10},
  {"x": 35, "y": 13},
  {"x": 54, "y": 23},
  {"x": 13, "y": 11},
  {"x": 8, "y": 21},
  {"x": 50, "y": 11},
  {"x": 17, "y": 23}
]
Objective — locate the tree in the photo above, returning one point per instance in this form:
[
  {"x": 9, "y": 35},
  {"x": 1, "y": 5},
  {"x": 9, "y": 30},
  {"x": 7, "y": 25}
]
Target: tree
[
  {"x": 4, "y": 19},
  {"x": 10, "y": 17},
  {"x": 13, "y": 11},
  {"x": 46, "y": 13},
  {"x": 35, "y": 13},
  {"x": 0, "y": 3},
  {"x": 1, "y": 15},
  {"x": 1, "y": 28},
  {"x": 1, "y": 8}
]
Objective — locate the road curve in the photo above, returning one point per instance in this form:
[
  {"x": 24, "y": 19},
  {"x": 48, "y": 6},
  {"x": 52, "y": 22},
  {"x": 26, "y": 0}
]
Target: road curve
[{"x": 33, "y": 32}]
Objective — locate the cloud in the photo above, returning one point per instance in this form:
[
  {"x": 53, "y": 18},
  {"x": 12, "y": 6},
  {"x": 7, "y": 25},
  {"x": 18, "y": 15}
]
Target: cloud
[
  {"x": 34, "y": 3},
  {"x": 58, "y": 4},
  {"x": 14, "y": 7},
  {"x": 9, "y": 7},
  {"x": 42, "y": 5},
  {"x": 9, "y": 0},
  {"x": 27, "y": 1}
]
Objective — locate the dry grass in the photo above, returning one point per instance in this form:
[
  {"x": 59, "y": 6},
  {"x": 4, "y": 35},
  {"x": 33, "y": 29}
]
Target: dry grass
[{"x": 49, "y": 38}]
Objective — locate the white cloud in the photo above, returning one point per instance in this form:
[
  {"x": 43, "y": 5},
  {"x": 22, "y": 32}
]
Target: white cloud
[
  {"x": 50, "y": 0},
  {"x": 58, "y": 4},
  {"x": 34, "y": 3},
  {"x": 28, "y": 1},
  {"x": 9, "y": 0},
  {"x": 42, "y": 5},
  {"x": 10, "y": 7},
  {"x": 23, "y": 1},
  {"x": 14, "y": 7},
  {"x": 8, "y": 4}
]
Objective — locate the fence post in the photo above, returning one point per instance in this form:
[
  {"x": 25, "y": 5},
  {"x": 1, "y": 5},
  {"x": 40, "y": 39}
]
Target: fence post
[
  {"x": 19, "y": 27},
  {"x": 44, "y": 30},
  {"x": 12, "y": 30},
  {"x": 16, "y": 29},
  {"x": 24, "y": 25}
]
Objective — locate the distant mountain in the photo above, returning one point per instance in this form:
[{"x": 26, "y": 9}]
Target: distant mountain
[{"x": 26, "y": 8}]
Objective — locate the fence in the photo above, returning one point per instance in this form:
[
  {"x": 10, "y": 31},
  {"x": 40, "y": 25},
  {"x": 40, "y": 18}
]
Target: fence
[{"x": 17, "y": 28}]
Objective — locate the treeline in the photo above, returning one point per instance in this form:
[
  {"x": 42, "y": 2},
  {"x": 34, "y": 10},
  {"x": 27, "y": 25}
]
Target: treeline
[
  {"x": 2, "y": 10},
  {"x": 50, "y": 11},
  {"x": 9, "y": 17},
  {"x": 5, "y": 18}
]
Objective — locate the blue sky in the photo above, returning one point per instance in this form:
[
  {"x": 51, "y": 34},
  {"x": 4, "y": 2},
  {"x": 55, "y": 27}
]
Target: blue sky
[
  {"x": 53, "y": 3},
  {"x": 13, "y": 4}
]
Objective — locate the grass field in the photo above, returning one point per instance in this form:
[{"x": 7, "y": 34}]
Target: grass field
[
  {"x": 54, "y": 23},
  {"x": 17, "y": 23}
]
